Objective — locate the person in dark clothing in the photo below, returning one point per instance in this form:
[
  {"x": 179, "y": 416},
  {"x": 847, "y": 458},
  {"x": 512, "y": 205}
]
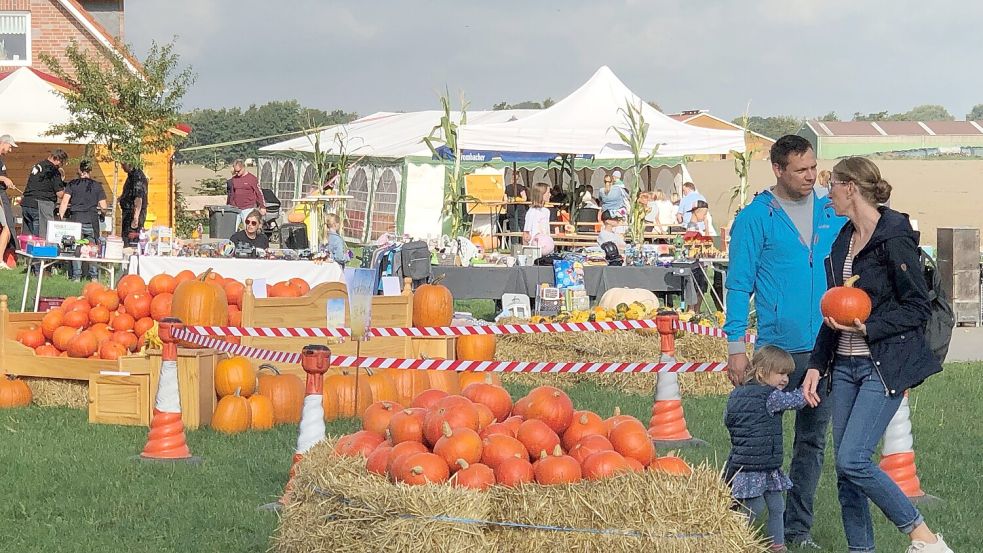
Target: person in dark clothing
[
  {"x": 6, "y": 210},
  {"x": 133, "y": 204},
  {"x": 44, "y": 185},
  {"x": 251, "y": 233},
  {"x": 753, "y": 417},
  {"x": 872, "y": 362},
  {"x": 83, "y": 202}
]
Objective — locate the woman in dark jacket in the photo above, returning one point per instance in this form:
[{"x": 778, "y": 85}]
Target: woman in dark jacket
[{"x": 872, "y": 363}]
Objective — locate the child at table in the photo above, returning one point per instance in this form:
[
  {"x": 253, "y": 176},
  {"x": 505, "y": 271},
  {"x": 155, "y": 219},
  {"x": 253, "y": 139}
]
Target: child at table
[
  {"x": 335, "y": 246},
  {"x": 536, "y": 231}
]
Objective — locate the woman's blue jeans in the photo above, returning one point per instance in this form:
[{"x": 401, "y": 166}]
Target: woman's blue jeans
[{"x": 861, "y": 413}]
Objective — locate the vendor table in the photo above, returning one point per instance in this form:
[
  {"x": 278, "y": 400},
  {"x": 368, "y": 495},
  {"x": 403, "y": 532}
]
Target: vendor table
[
  {"x": 318, "y": 208},
  {"x": 493, "y": 281},
  {"x": 239, "y": 269},
  {"x": 108, "y": 265}
]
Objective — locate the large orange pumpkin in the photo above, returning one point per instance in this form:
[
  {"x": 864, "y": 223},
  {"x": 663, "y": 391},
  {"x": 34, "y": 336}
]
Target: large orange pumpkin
[
  {"x": 231, "y": 414},
  {"x": 476, "y": 348},
  {"x": 235, "y": 373},
  {"x": 846, "y": 303},
  {"x": 13, "y": 392},
  {"x": 353, "y": 397},
  {"x": 409, "y": 384},
  {"x": 200, "y": 302},
  {"x": 286, "y": 391},
  {"x": 433, "y": 305},
  {"x": 260, "y": 412},
  {"x": 382, "y": 385},
  {"x": 446, "y": 381}
]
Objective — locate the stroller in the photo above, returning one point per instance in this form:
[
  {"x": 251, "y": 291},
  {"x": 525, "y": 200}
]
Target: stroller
[{"x": 271, "y": 221}]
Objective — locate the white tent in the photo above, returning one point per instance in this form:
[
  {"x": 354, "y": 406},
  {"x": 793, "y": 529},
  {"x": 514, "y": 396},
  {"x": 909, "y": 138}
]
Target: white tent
[
  {"x": 29, "y": 106},
  {"x": 584, "y": 123}
]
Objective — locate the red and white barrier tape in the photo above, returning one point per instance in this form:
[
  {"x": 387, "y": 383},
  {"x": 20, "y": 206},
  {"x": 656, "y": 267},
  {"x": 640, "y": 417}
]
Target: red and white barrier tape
[
  {"x": 437, "y": 331},
  {"x": 190, "y": 335}
]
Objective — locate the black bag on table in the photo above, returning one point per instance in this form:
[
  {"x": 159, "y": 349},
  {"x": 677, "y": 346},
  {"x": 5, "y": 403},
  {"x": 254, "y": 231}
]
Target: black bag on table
[
  {"x": 294, "y": 236},
  {"x": 414, "y": 261}
]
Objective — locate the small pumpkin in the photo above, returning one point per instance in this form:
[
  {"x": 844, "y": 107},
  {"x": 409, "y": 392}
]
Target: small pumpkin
[
  {"x": 476, "y": 348},
  {"x": 485, "y": 416},
  {"x": 556, "y": 468},
  {"x": 671, "y": 465},
  {"x": 423, "y": 468},
  {"x": 495, "y": 397},
  {"x": 112, "y": 350},
  {"x": 631, "y": 439},
  {"x": 604, "y": 464},
  {"x": 260, "y": 412},
  {"x": 475, "y": 476},
  {"x": 536, "y": 436},
  {"x": 235, "y": 373},
  {"x": 51, "y": 321},
  {"x": 497, "y": 428},
  {"x": 616, "y": 419},
  {"x": 130, "y": 284},
  {"x": 407, "y": 426},
  {"x": 589, "y": 445},
  {"x": 498, "y": 447},
  {"x": 552, "y": 406},
  {"x": 376, "y": 461},
  {"x": 377, "y": 416},
  {"x": 433, "y": 305},
  {"x": 846, "y": 303},
  {"x": 32, "y": 337},
  {"x": 161, "y": 306},
  {"x": 286, "y": 391},
  {"x": 83, "y": 345},
  {"x": 585, "y": 423},
  {"x": 398, "y": 455},
  {"x": 231, "y": 414},
  {"x": 359, "y": 443},
  {"x": 456, "y": 411},
  {"x": 161, "y": 284},
  {"x": 514, "y": 471},
  {"x": 14, "y": 392},
  {"x": 460, "y": 443},
  {"x": 427, "y": 398}
]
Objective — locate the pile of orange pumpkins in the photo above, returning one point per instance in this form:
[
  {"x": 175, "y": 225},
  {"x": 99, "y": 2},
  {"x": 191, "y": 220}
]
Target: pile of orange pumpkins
[
  {"x": 480, "y": 438},
  {"x": 251, "y": 399},
  {"x": 106, "y": 323}
]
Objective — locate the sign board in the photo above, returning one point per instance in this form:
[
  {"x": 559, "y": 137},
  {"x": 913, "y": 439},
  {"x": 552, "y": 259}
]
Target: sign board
[
  {"x": 59, "y": 229},
  {"x": 485, "y": 188}
]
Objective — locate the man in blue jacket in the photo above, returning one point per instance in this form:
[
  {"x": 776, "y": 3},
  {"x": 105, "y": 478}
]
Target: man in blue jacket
[{"x": 778, "y": 244}]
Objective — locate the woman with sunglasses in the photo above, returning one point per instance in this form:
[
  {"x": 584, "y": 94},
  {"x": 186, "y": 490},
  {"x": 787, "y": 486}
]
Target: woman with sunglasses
[
  {"x": 872, "y": 363},
  {"x": 252, "y": 234}
]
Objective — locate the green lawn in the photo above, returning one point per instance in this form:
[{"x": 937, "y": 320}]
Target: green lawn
[
  {"x": 55, "y": 285},
  {"x": 71, "y": 486}
]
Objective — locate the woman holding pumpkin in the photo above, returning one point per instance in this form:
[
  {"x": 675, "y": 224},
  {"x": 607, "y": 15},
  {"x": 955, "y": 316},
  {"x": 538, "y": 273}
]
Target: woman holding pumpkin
[{"x": 874, "y": 361}]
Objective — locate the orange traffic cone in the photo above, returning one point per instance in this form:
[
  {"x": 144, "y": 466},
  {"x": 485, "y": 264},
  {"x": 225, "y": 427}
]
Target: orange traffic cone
[
  {"x": 667, "y": 427},
  {"x": 315, "y": 360},
  {"x": 165, "y": 441},
  {"x": 898, "y": 455}
]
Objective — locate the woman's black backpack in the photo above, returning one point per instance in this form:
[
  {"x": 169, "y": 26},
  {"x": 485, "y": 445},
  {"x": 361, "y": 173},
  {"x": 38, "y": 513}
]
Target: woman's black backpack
[{"x": 938, "y": 329}]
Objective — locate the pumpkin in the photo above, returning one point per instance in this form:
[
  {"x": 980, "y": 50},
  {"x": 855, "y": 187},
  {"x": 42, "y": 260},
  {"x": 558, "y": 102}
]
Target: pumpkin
[
  {"x": 536, "y": 436},
  {"x": 513, "y": 422},
  {"x": 231, "y": 414},
  {"x": 409, "y": 384},
  {"x": 603, "y": 464},
  {"x": 433, "y": 305},
  {"x": 32, "y": 337},
  {"x": 589, "y": 445},
  {"x": 514, "y": 471},
  {"x": 468, "y": 377},
  {"x": 112, "y": 350},
  {"x": 76, "y": 319},
  {"x": 47, "y": 350},
  {"x": 446, "y": 381},
  {"x": 122, "y": 321},
  {"x": 296, "y": 216},
  {"x": 199, "y": 302},
  {"x": 476, "y": 348},
  {"x": 161, "y": 306},
  {"x": 300, "y": 285},
  {"x": 99, "y": 314},
  {"x": 520, "y": 406},
  {"x": 235, "y": 318},
  {"x": 846, "y": 303},
  {"x": 498, "y": 448},
  {"x": 161, "y": 284},
  {"x": 407, "y": 426},
  {"x": 475, "y": 476},
  {"x": 233, "y": 292},
  {"x": 631, "y": 439},
  {"x": 615, "y": 296},
  {"x": 235, "y": 373},
  {"x": 83, "y": 345},
  {"x": 286, "y": 391},
  {"x": 377, "y": 416},
  {"x": 354, "y": 395},
  {"x": 423, "y": 468},
  {"x": 496, "y": 398},
  {"x": 427, "y": 398},
  {"x": 360, "y": 443},
  {"x": 585, "y": 423},
  {"x": 142, "y": 326},
  {"x": 283, "y": 290},
  {"x": 130, "y": 284},
  {"x": 485, "y": 416},
  {"x": 101, "y": 332},
  {"x": 460, "y": 443},
  {"x": 329, "y": 404},
  {"x": 260, "y": 412},
  {"x": 634, "y": 465},
  {"x": 376, "y": 461},
  {"x": 672, "y": 465},
  {"x": 91, "y": 292},
  {"x": 183, "y": 276},
  {"x": 556, "y": 468},
  {"x": 63, "y": 336},
  {"x": 451, "y": 410},
  {"x": 496, "y": 428},
  {"x": 399, "y": 453},
  {"x": 108, "y": 299},
  {"x": 552, "y": 406},
  {"x": 616, "y": 419},
  {"x": 129, "y": 340},
  {"x": 51, "y": 321},
  {"x": 14, "y": 392}
]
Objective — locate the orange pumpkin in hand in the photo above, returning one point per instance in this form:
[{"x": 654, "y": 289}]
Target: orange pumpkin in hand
[{"x": 846, "y": 303}]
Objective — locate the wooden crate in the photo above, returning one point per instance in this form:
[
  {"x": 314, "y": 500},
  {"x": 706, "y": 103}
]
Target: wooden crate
[{"x": 120, "y": 399}]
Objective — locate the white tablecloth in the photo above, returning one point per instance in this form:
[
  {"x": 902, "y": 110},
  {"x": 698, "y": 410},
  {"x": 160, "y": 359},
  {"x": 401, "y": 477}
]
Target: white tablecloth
[{"x": 239, "y": 269}]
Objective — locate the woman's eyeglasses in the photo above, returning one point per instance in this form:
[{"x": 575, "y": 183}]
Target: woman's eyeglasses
[
  {"x": 832, "y": 182},
  {"x": 252, "y": 223}
]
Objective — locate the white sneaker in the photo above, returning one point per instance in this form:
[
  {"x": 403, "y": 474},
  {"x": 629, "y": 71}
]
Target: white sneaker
[{"x": 937, "y": 547}]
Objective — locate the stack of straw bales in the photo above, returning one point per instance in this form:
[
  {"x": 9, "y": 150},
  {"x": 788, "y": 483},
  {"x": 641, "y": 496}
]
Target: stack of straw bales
[
  {"x": 338, "y": 506},
  {"x": 59, "y": 392}
]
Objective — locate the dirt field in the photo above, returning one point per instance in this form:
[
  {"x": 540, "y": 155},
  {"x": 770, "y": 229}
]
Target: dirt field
[{"x": 942, "y": 193}]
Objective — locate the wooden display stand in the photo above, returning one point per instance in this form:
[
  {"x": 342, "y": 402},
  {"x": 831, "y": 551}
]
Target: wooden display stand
[{"x": 311, "y": 311}]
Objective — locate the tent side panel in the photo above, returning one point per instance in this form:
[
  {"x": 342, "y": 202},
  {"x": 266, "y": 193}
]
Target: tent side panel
[{"x": 424, "y": 199}]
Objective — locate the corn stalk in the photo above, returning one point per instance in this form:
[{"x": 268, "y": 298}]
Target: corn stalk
[
  {"x": 742, "y": 167},
  {"x": 633, "y": 135},
  {"x": 337, "y": 157},
  {"x": 454, "y": 196}
]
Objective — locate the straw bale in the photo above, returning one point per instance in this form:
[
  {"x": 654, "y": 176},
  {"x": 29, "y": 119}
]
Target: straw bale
[{"x": 59, "y": 392}]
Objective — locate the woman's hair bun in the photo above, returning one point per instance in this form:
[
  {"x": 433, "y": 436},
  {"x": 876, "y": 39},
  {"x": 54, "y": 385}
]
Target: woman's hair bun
[{"x": 882, "y": 191}]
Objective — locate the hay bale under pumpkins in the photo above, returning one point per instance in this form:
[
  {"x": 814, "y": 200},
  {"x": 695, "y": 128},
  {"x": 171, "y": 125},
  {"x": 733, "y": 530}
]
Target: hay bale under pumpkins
[
  {"x": 338, "y": 506},
  {"x": 59, "y": 392}
]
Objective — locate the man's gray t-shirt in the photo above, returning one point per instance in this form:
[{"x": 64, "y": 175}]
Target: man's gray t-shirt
[{"x": 800, "y": 212}]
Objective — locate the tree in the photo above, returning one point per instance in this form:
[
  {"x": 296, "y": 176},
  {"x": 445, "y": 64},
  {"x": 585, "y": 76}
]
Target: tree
[
  {"x": 879, "y": 116},
  {"x": 654, "y": 104},
  {"x": 528, "y": 104},
  {"x": 975, "y": 114},
  {"x": 772, "y": 127},
  {"x": 130, "y": 113},
  {"x": 926, "y": 112},
  {"x": 831, "y": 116}
]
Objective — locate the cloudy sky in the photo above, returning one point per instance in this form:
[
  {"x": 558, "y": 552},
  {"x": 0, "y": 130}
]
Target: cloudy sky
[{"x": 798, "y": 57}]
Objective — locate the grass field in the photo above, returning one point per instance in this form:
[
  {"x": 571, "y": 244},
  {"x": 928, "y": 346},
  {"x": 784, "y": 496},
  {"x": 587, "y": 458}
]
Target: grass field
[{"x": 70, "y": 486}]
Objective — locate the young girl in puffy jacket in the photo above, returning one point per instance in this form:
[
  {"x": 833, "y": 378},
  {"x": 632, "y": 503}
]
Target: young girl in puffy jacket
[{"x": 754, "y": 420}]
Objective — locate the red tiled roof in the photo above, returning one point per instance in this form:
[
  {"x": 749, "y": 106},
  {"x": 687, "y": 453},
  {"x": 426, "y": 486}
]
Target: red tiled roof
[
  {"x": 952, "y": 127},
  {"x": 894, "y": 128}
]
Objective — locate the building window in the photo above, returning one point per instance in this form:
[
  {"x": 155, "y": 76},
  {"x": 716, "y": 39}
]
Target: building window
[
  {"x": 15, "y": 38},
  {"x": 385, "y": 204}
]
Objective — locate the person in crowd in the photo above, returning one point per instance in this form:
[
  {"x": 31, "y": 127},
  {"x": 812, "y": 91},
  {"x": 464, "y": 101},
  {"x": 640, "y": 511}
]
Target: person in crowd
[
  {"x": 777, "y": 246},
  {"x": 666, "y": 212},
  {"x": 536, "y": 231},
  {"x": 45, "y": 187},
  {"x": 822, "y": 183},
  {"x": 612, "y": 220},
  {"x": 133, "y": 203},
  {"x": 558, "y": 195},
  {"x": 336, "y": 246},
  {"x": 7, "y": 234},
  {"x": 873, "y": 362},
  {"x": 675, "y": 200},
  {"x": 587, "y": 198},
  {"x": 614, "y": 196},
  {"x": 753, "y": 417},
  {"x": 651, "y": 210},
  {"x": 515, "y": 212},
  {"x": 252, "y": 234},
  {"x": 690, "y": 196},
  {"x": 331, "y": 182},
  {"x": 83, "y": 202},
  {"x": 243, "y": 191},
  {"x": 700, "y": 221}
]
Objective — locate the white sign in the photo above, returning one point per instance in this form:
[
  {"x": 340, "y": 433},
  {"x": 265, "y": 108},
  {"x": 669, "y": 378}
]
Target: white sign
[{"x": 58, "y": 229}]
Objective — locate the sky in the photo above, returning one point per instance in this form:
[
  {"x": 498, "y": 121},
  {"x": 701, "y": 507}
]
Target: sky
[{"x": 784, "y": 57}]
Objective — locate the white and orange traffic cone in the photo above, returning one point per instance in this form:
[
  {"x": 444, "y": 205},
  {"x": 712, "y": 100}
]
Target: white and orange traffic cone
[
  {"x": 315, "y": 360},
  {"x": 898, "y": 455},
  {"x": 667, "y": 427},
  {"x": 166, "y": 440}
]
